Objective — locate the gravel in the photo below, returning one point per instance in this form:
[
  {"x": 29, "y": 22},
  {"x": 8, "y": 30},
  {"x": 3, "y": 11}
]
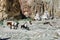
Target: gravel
[{"x": 38, "y": 31}]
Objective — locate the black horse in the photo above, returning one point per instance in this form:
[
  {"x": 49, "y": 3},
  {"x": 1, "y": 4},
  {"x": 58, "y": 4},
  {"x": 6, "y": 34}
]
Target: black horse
[{"x": 25, "y": 27}]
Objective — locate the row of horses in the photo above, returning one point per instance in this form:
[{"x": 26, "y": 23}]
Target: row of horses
[{"x": 14, "y": 25}]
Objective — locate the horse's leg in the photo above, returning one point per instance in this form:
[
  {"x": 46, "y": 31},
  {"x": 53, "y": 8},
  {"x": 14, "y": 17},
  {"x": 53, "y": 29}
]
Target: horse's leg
[
  {"x": 14, "y": 27},
  {"x": 22, "y": 26},
  {"x": 10, "y": 27},
  {"x": 27, "y": 28}
]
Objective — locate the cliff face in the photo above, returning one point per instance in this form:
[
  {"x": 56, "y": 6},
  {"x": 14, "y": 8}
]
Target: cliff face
[
  {"x": 9, "y": 8},
  {"x": 53, "y": 6},
  {"x": 12, "y": 8},
  {"x": 57, "y": 8}
]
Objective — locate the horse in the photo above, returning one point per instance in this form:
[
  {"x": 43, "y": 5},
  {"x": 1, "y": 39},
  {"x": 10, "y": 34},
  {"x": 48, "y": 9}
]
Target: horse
[
  {"x": 12, "y": 24},
  {"x": 25, "y": 26}
]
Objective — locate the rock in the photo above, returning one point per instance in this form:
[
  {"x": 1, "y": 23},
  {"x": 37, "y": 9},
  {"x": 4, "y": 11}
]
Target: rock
[{"x": 58, "y": 32}]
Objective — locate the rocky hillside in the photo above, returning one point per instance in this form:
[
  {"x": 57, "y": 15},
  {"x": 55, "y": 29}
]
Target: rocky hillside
[{"x": 13, "y": 8}]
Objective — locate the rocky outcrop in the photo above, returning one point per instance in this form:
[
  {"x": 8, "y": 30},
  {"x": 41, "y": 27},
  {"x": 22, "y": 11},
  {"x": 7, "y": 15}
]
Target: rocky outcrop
[
  {"x": 29, "y": 7},
  {"x": 3, "y": 14},
  {"x": 13, "y": 8}
]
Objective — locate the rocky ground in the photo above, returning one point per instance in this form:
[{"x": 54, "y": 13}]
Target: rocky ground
[{"x": 38, "y": 31}]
